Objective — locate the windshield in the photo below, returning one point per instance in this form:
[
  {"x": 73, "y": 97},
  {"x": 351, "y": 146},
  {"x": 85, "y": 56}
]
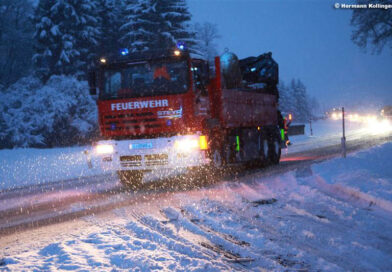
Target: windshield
[{"x": 145, "y": 79}]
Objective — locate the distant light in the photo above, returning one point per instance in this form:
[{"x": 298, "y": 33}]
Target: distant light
[
  {"x": 177, "y": 52},
  {"x": 124, "y": 51},
  {"x": 102, "y": 60},
  {"x": 335, "y": 116},
  {"x": 252, "y": 69},
  {"x": 379, "y": 126},
  {"x": 290, "y": 117}
]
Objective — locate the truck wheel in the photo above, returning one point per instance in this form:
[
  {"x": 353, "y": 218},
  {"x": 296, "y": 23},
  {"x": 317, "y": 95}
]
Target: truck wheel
[
  {"x": 264, "y": 149},
  {"x": 131, "y": 179},
  {"x": 217, "y": 161},
  {"x": 274, "y": 151}
]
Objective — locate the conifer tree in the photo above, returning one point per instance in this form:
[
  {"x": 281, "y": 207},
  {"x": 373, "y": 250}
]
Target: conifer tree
[
  {"x": 301, "y": 101},
  {"x": 156, "y": 25},
  {"x": 66, "y": 36},
  {"x": 111, "y": 18},
  {"x": 16, "y": 31}
]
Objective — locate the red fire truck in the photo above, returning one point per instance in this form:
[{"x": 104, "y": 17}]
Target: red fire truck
[{"x": 170, "y": 111}]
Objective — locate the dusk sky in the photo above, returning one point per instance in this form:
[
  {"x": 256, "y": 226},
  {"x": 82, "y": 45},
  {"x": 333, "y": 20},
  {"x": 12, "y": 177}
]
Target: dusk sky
[{"x": 310, "y": 40}]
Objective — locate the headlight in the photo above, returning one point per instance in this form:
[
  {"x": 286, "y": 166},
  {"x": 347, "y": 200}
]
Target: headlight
[
  {"x": 104, "y": 149},
  {"x": 186, "y": 145}
]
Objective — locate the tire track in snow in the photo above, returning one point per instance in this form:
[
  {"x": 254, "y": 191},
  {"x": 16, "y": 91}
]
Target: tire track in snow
[
  {"x": 292, "y": 232},
  {"x": 161, "y": 234}
]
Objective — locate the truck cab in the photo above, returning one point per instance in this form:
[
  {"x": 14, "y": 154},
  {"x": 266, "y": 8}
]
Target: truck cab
[{"x": 151, "y": 111}]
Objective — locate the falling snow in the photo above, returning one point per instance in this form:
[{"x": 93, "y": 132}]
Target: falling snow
[{"x": 331, "y": 216}]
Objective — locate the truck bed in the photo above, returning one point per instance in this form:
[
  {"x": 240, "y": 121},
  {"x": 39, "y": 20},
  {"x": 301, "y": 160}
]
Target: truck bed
[{"x": 247, "y": 108}]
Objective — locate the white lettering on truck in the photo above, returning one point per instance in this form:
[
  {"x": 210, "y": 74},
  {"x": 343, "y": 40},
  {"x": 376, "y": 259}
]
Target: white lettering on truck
[{"x": 140, "y": 105}]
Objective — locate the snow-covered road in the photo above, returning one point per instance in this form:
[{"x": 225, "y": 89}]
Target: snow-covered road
[
  {"x": 49, "y": 203},
  {"x": 46, "y": 167},
  {"x": 332, "y": 216}
]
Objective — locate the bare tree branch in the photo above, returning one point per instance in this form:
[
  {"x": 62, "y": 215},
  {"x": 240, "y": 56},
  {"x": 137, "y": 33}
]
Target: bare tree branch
[{"x": 372, "y": 26}]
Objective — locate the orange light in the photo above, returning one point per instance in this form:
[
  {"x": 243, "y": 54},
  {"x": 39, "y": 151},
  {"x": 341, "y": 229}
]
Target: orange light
[
  {"x": 177, "y": 52},
  {"x": 203, "y": 142},
  {"x": 290, "y": 116}
]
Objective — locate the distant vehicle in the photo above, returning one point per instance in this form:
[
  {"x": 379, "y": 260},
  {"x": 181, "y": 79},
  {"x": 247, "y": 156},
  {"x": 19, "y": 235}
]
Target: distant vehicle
[
  {"x": 168, "y": 111},
  {"x": 334, "y": 114},
  {"x": 386, "y": 112}
]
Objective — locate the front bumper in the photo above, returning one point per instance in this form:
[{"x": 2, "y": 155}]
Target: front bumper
[{"x": 153, "y": 154}]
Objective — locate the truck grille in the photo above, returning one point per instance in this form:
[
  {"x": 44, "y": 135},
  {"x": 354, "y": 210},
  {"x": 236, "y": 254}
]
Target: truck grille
[
  {"x": 128, "y": 161},
  {"x": 156, "y": 159},
  {"x": 150, "y": 160},
  {"x": 131, "y": 121}
]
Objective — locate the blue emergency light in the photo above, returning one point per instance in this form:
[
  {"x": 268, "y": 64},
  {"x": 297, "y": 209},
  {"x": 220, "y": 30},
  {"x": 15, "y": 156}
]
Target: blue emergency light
[
  {"x": 124, "y": 51},
  {"x": 181, "y": 46}
]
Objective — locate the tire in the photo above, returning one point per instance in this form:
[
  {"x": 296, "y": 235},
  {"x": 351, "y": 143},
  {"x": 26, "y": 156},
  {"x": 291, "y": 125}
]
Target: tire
[
  {"x": 217, "y": 159},
  {"x": 264, "y": 149},
  {"x": 274, "y": 151},
  {"x": 131, "y": 179},
  {"x": 217, "y": 162}
]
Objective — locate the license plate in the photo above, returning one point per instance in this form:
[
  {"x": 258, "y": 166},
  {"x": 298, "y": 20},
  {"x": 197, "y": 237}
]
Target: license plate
[{"x": 140, "y": 146}]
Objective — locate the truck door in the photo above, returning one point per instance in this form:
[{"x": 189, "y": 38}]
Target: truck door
[{"x": 200, "y": 82}]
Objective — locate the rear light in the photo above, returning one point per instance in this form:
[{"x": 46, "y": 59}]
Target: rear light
[{"x": 203, "y": 144}]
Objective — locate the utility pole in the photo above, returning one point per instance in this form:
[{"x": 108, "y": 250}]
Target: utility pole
[
  {"x": 344, "y": 135},
  {"x": 88, "y": 158}
]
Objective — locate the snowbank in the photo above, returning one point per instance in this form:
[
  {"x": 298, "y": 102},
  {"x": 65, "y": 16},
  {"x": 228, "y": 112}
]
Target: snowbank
[
  {"x": 24, "y": 167},
  {"x": 365, "y": 176},
  {"x": 329, "y": 132}
]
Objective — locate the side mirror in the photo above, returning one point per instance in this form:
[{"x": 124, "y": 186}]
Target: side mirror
[
  {"x": 200, "y": 84},
  {"x": 92, "y": 82},
  {"x": 206, "y": 72}
]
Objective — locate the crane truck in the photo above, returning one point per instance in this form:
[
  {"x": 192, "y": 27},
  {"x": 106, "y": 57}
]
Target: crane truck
[{"x": 170, "y": 110}]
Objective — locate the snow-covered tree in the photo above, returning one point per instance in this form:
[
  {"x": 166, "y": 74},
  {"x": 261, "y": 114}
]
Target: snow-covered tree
[
  {"x": 372, "y": 26},
  {"x": 177, "y": 13},
  {"x": 59, "y": 113},
  {"x": 3, "y": 134},
  {"x": 286, "y": 103},
  {"x": 294, "y": 99},
  {"x": 156, "y": 25},
  {"x": 16, "y": 31},
  {"x": 66, "y": 37},
  {"x": 206, "y": 35},
  {"x": 314, "y": 106},
  {"x": 300, "y": 101},
  {"x": 111, "y": 18},
  {"x": 138, "y": 28}
]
